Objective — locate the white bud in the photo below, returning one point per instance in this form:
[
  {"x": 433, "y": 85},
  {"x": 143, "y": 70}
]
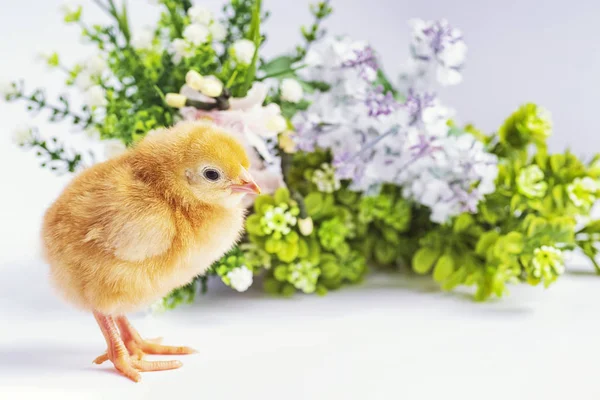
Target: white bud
[
  {"x": 175, "y": 100},
  {"x": 243, "y": 51},
  {"x": 305, "y": 225},
  {"x": 291, "y": 90},
  {"x": 277, "y": 124},
  {"x": 22, "y": 135},
  {"x": 211, "y": 86},
  {"x": 95, "y": 96},
  {"x": 218, "y": 31},
  {"x": 196, "y": 34},
  {"x": 194, "y": 79},
  {"x": 240, "y": 278},
  {"x": 200, "y": 15},
  {"x": 113, "y": 148}
]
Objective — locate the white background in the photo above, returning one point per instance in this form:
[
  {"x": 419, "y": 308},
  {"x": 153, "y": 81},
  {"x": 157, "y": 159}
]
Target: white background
[{"x": 394, "y": 337}]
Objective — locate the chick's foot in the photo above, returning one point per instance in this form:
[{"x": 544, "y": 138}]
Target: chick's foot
[{"x": 127, "y": 364}]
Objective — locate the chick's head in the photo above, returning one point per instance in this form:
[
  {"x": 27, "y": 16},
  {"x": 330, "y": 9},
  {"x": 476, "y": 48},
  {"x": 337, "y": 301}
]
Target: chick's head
[{"x": 197, "y": 159}]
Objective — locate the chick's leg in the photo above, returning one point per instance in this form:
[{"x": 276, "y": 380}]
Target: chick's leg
[
  {"x": 118, "y": 354},
  {"x": 138, "y": 347}
]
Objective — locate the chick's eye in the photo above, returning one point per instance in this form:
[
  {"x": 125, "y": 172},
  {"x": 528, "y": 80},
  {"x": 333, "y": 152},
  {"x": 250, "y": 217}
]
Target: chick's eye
[{"x": 212, "y": 175}]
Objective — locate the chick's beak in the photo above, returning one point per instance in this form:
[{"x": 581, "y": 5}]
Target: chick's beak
[{"x": 247, "y": 186}]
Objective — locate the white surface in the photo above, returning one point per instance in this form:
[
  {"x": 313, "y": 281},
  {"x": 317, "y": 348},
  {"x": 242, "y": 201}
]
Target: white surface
[{"x": 393, "y": 338}]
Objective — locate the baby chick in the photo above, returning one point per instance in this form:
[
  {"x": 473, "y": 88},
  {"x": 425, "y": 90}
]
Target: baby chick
[{"x": 127, "y": 231}]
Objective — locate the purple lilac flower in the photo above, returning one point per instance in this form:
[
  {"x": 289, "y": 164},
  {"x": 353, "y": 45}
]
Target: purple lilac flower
[
  {"x": 425, "y": 147},
  {"x": 380, "y": 103},
  {"x": 416, "y": 103},
  {"x": 365, "y": 62},
  {"x": 305, "y": 136},
  {"x": 347, "y": 166}
]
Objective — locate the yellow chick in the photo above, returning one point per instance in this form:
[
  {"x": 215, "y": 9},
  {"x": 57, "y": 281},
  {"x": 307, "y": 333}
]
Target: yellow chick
[{"x": 128, "y": 231}]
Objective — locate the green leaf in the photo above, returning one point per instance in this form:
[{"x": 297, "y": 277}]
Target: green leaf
[
  {"x": 254, "y": 36},
  {"x": 277, "y": 64},
  {"x": 253, "y": 225},
  {"x": 557, "y": 162},
  {"x": 288, "y": 252},
  {"x": 424, "y": 259},
  {"x": 273, "y": 245},
  {"x": 261, "y": 202},
  {"x": 511, "y": 243},
  {"x": 485, "y": 241},
  {"x": 282, "y": 195},
  {"x": 313, "y": 203},
  {"x": 463, "y": 222},
  {"x": 557, "y": 195},
  {"x": 443, "y": 268}
]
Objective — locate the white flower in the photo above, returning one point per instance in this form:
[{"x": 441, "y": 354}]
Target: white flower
[
  {"x": 175, "y": 100},
  {"x": 240, "y": 278},
  {"x": 96, "y": 65},
  {"x": 180, "y": 49},
  {"x": 7, "y": 88},
  {"x": 276, "y": 124},
  {"x": 196, "y": 34},
  {"x": 23, "y": 135},
  {"x": 218, "y": 31},
  {"x": 291, "y": 90},
  {"x": 200, "y": 15},
  {"x": 113, "y": 148},
  {"x": 243, "y": 51},
  {"x": 95, "y": 96},
  {"x": 142, "y": 40}
]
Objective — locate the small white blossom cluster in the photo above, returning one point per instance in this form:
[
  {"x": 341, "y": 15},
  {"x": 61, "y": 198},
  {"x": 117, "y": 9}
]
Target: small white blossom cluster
[
  {"x": 376, "y": 138},
  {"x": 240, "y": 278},
  {"x": 202, "y": 28}
]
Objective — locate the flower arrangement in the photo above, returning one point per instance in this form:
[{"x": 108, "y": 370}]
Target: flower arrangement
[{"x": 358, "y": 171}]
